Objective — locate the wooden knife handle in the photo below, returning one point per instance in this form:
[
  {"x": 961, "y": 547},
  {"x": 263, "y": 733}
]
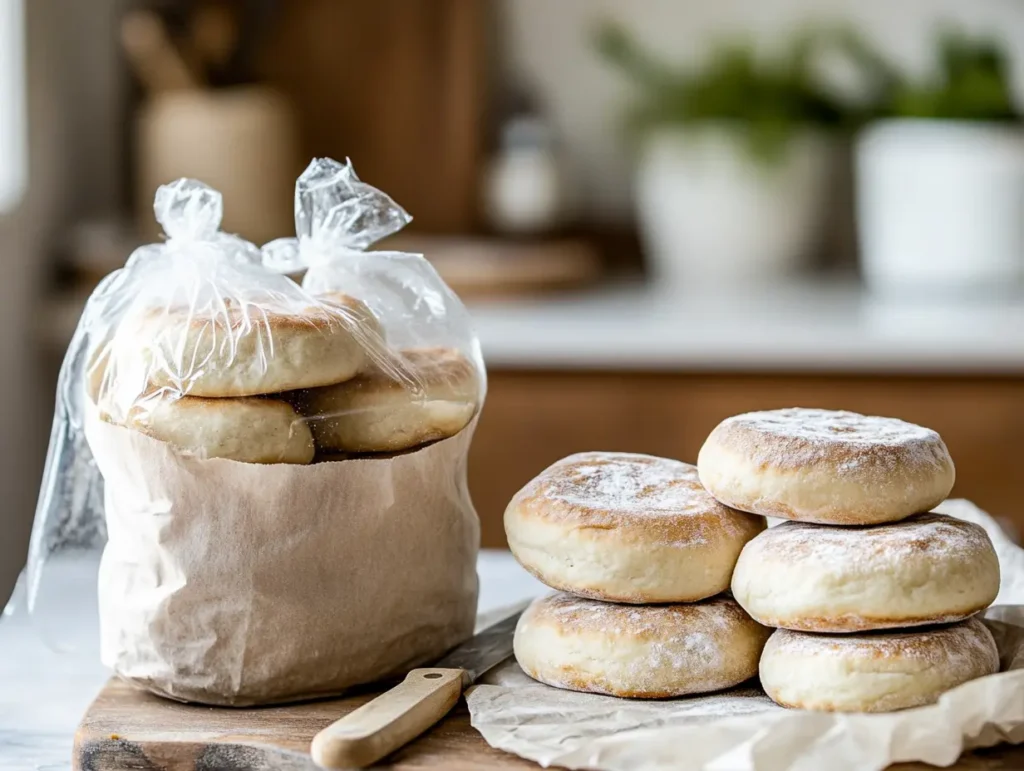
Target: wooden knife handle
[{"x": 388, "y": 722}]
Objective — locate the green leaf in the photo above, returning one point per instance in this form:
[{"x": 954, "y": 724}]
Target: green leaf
[{"x": 774, "y": 97}]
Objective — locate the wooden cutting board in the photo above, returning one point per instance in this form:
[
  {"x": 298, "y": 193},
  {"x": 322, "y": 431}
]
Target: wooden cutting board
[{"x": 127, "y": 729}]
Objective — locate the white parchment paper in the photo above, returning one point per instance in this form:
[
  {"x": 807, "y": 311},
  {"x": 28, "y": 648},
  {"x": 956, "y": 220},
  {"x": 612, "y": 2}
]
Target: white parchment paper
[{"x": 742, "y": 730}]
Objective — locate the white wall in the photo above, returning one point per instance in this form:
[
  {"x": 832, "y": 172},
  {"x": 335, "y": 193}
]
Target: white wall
[
  {"x": 13, "y": 131},
  {"x": 547, "y": 44},
  {"x": 73, "y": 104},
  {"x": 23, "y": 427}
]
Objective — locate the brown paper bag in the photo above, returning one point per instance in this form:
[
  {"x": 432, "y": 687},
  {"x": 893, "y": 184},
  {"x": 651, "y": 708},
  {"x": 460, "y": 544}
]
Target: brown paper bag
[{"x": 238, "y": 584}]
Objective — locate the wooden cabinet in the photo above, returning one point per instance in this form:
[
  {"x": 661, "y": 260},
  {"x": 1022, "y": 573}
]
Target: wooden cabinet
[{"x": 534, "y": 418}]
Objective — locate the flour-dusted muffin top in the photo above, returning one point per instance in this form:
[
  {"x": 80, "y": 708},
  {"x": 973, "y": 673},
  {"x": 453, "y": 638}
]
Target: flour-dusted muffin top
[
  {"x": 875, "y": 672},
  {"x": 620, "y": 489},
  {"x": 824, "y": 466},
  {"x": 627, "y": 528},
  {"x": 798, "y": 436},
  {"x": 926, "y": 569},
  {"x": 657, "y": 651}
]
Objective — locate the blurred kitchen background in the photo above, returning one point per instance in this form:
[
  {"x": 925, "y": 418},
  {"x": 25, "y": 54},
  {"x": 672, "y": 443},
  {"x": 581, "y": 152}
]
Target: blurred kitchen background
[{"x": 660, "y": 212}]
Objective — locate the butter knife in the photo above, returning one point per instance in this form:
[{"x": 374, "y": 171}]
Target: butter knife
[{"x": 398, "y": 716}]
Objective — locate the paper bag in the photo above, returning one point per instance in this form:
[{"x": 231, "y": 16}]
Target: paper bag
[
  {"x": 237, "y": 584},
  {"x": 236, "y": 568}
]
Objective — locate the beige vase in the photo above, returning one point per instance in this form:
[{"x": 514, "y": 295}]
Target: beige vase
[{"x": 241, "y": 141}]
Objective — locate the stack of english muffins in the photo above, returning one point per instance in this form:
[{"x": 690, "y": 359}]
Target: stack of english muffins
[
  {"x": 274, "y": 383},
  {"x": 641, "y": 555},
  {"x": 874, "y": 599}
]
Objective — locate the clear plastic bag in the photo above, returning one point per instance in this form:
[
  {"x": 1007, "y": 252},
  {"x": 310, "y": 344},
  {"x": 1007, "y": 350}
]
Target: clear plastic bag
[
  {"x": 267, "y": 449},
  {"x": 431, "y": 362},
  {"x": 197, "y": 264}
]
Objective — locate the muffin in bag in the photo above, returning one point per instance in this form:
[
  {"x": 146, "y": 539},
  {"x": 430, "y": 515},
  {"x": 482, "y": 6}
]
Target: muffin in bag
[
  {"x": 238, "y": 569},
  {"x": 427, "y": 382}
]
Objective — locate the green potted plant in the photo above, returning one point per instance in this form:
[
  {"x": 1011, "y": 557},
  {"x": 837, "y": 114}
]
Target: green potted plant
[
  {"x": 733, "y": 157},
  {"x": 940, "y": 172}
]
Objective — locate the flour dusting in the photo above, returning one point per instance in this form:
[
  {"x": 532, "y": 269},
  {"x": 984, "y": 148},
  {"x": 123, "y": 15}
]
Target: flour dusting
[
  {"x": 610, "y": 489},
  {"x": 849, "y": 442},
  {"x": 967, "y": 646},
  {"x": 829, "y": 425},
  {"x": 628, "y": 482},
  {"x": 865, "y": 548},
  {"x": 651, "y": 648}
]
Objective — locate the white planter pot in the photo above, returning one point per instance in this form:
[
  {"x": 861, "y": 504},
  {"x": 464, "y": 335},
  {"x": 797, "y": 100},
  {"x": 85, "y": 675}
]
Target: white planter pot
[
  {"x": 940, "y": 206},
  {"x": 710, "y": 213}
]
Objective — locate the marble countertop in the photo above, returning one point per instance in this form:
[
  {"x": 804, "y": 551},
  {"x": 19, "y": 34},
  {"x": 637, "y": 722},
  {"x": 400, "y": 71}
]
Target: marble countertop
[
  {"x": 43, "y": 692},
  {"x": 807, "y": 326}
]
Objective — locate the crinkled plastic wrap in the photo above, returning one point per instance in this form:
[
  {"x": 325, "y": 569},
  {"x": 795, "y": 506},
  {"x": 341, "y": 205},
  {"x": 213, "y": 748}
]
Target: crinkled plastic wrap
[
  {"x": 336, "y": 218},
  {"x": 284, "y": 503}
]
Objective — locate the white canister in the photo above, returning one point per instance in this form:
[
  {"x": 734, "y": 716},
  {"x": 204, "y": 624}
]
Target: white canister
[
  {"x": 711, "y": 212},
  {"x": 940, "y": 206},
  {"x": 524, "y": 190}
]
